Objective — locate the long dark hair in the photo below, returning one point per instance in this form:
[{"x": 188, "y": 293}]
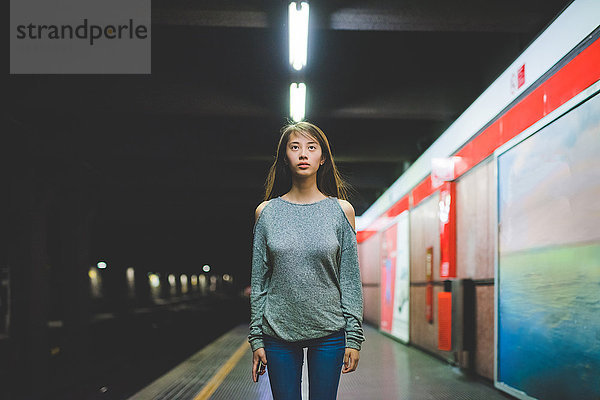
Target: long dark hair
[{"x": 329, "y": 179}]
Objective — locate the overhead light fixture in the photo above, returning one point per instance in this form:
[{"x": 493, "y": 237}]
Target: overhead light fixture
[
  {"x": 298, "y": 27},
  {"x": 297, "y": 101}
]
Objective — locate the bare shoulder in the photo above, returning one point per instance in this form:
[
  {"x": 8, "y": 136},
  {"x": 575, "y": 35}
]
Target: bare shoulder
[
  {"x": 348, "y": 210},
  {"x": 259, "y": 209}
]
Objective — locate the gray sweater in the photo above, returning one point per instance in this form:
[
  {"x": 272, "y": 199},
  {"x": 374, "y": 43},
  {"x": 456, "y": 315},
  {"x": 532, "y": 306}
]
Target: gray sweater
[{"x": 305, "y": 276}]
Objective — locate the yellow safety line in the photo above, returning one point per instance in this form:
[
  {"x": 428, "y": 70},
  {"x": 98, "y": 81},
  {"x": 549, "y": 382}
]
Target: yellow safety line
[{"x": 213, "y": 384}]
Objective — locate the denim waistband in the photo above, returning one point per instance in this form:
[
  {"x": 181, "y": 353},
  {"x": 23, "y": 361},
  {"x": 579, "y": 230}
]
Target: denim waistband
[{"x": 340, "y": 332}]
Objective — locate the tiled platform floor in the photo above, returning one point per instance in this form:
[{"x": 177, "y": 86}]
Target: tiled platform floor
[{"x": 387, "y": 370}]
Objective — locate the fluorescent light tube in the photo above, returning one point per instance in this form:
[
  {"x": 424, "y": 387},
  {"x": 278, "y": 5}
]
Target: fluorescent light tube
[
  {"x": 298, "y": 30},
  {"x": 297, "y": 101}
]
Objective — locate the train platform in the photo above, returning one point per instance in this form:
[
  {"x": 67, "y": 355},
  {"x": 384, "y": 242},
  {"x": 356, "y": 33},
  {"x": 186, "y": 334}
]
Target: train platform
[{"x": 387, "y": 370}]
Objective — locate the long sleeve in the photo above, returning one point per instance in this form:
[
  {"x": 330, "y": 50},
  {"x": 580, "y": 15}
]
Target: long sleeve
[
  {"x": 351, "y": 290},
  {"x": 259, "y": 282}
]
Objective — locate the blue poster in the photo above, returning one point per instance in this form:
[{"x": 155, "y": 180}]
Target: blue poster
[{"x": 549, "y": 259}]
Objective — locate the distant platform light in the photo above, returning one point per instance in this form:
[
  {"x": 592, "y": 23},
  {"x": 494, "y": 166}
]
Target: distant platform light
[
  {"x": 154, "y": 280},
  {"x": 298, "y": 34},
  {"x": 226, "y": 277},
  {"x": 95, "y": 282},
  {"x": 297, "y": 101},
  {"x": 206, "y": 268},
  {"x": 172, "y": 279},
  {"x": 101, "y": 265},
  {"x": 130, "y": 282},
  {"x": 184, "y": 283}
]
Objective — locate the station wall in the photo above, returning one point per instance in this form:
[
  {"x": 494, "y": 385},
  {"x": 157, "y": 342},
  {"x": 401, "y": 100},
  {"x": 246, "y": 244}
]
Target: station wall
[{"x": 478, "y": 226}]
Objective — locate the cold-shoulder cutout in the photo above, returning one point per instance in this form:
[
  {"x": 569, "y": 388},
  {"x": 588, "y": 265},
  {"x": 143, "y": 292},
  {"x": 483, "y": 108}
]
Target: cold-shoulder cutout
[
  {"x": 259, "y": 209},
  {"x": 348, "y": 211}
]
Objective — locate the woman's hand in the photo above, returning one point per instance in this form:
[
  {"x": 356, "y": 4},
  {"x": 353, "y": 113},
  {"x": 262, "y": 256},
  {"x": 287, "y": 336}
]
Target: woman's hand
[
  {"x": 350, "y": 360},
  {"x": 258, "y": 354}
]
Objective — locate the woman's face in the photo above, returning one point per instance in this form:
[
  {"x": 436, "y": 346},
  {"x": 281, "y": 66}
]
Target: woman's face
[{"x": 303, "y": 153}]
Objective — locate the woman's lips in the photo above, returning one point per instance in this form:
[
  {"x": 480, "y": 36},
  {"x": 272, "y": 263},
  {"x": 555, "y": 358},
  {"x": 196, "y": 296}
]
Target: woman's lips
[{"x": 303, "y": 165}]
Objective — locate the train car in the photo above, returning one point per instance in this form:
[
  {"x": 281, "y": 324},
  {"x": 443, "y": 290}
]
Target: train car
[{"x": 486, "y": 251}]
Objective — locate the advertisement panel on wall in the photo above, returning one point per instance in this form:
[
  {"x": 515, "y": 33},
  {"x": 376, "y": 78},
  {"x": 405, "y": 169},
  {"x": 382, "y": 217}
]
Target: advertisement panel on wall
[
  {"x": 401, "y": 312},
  {"x": 388, "y": 275},
  {"x": 548, "y": 259},
  {"x": 395, "y": 278}
]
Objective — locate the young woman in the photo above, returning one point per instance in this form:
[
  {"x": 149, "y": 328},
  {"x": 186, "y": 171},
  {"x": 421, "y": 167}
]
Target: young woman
[{"x": 306, "y": 287}]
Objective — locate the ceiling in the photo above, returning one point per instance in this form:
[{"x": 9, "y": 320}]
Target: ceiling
[{"x": 177, "y": 159}]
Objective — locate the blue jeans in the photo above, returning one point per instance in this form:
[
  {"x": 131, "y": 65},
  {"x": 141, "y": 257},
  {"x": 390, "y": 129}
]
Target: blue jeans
[{"x": 325, "y": 360}]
